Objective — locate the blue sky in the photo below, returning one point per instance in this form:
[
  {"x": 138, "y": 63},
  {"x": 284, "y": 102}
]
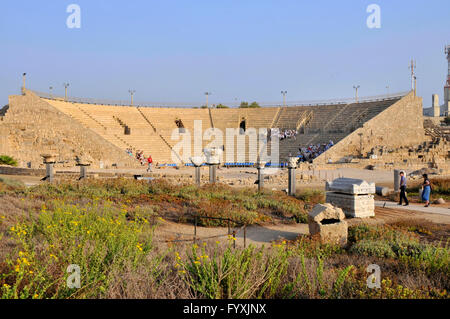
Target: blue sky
[{"x": 171, "y": 51}]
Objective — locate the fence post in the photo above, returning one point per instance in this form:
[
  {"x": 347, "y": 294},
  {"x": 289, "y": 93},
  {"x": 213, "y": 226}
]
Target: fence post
[
  {"x": 195, "y": 230},
  {"x": 245, "y": 235},
  {"x": 234, "y": 239}
]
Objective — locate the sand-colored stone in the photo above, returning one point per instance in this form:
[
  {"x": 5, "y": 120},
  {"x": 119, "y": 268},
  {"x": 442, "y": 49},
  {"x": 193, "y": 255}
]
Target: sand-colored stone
[{"x": 335, "y": 232}]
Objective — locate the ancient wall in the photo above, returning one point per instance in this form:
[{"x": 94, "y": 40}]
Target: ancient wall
[
  {"x": 399, "y": 125},
  {"x": 32, "y": 127}
]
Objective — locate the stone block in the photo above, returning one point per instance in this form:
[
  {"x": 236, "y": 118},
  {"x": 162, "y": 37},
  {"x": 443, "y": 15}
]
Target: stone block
[
  {"x": 328, "y": 221},
  {"x": 350, "y": 186},
  {"x": 357, "y": 206}
]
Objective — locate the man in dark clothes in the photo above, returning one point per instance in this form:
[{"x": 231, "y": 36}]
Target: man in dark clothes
[{"x": 403, "y": 189}]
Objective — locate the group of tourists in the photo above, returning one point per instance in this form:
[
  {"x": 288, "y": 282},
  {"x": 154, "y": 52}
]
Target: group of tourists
[
  {"x": 307, "y": 154},
  {"x": 283, "y": 134},
  {"x": 426, "y": 190},
  {"x": 141, "y": 158}
]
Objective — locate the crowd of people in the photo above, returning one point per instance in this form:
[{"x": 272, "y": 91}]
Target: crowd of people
[
  {"x": 283, "y": 134},
  {"x": 307, "y": 154}
]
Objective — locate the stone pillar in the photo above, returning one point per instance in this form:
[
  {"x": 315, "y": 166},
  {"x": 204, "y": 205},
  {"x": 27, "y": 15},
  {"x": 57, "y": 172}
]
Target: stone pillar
[
  {"x": 397, "y": 180},
  {"x": 212, "y": 173},
  {"x": 83, "y": 171},
  {"x": 260, "y": 166},
  {"x": 49, "y": 161},
  {"x": 436, "y": 106},
  {"x": 198, "y": 175},
  {"x": 49, "y": 172},
  {"x": 292, "y": 165},
  {"x": 197, "y": 162}
]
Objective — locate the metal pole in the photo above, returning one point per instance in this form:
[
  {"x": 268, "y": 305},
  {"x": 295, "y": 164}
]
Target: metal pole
[
  {"x": 23, "y": 78},
  {"x": 66, "y": 85}
]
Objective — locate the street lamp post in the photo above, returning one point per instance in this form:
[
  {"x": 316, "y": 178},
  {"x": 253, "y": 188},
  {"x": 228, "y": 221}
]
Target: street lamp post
[
  {"x": 132, "y": 95},
  {"x": 207, "y": 98},
  {"x": 24, "y": 76},
  {"x": 66, "y": 85},
  {"x": 387, "y": 88},
  {"x": 51, "y": 92},
  {"x": 284, "y": 97},
  {"x": 356, "y": 87}
]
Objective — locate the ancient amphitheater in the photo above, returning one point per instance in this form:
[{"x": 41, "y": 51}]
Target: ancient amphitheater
[{"x": 381, "y": 131}]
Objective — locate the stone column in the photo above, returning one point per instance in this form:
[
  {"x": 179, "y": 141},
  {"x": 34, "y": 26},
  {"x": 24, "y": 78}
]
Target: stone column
[
  {"x": 212, "y": 173},
  {"x": 198, "y": 175},
  {"x": 49, "y": 161},
  {"x": 397, "y": 180},
  {"x": 292, "y": 165},
  {"x": 83, "y": 171},
  {"x": 260, "y": 166}
]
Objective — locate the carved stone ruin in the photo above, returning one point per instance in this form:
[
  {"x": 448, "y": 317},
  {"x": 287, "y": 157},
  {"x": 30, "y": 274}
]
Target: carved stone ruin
[
  {"x": 292, "y": 165},
  {"x": 328, "y": 221},
  {"x": 197, "y": 161},
  {"x": 213, "y": 156},
  {"x": 354, "y": 196},
  {"x": 49, "y": 161}
]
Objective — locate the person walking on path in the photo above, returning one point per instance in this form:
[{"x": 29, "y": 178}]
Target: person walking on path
[
  {"x": 426, "y": 190},
  {"x": 403, "y": 189},
  {"x": 150, "y": 162}
]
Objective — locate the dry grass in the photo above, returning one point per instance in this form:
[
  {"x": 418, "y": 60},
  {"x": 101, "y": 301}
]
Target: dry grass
[{"x": 107, "y": 228}]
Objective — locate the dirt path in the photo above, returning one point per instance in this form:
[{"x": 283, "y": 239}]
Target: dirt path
[{"x": 265, "y": 235}]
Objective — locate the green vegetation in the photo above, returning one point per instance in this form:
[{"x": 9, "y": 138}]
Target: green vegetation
[
  {"x": 7, "y": 160},
  {"x": 245, "y": 105},
  {"x": 221, "y": 106},
  {"x": 440, "y": 188},
  {"x": 107, "y": 228}
]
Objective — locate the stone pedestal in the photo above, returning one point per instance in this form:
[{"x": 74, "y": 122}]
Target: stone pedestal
[
  {"x": 49, "y": 161},
  {"x": 197, "y": 161},
  {"x": 361, "y": 206},
  {"x": 353, "y": 196}
]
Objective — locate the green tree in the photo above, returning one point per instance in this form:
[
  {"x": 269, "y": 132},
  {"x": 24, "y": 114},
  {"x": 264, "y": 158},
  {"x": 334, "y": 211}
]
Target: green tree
[
  {"x": 7, "y": 160},
  {"x": 221, "y": 106},
  {"x": 244, "y": 105}
]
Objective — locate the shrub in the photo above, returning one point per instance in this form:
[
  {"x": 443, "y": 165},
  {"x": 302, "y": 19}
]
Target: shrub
[
  {"x": 7, "y": 184},
  {"x": 99, "y": 239},
  {"x": 375, "y": 248},
  {"x": 7, "y": 160}
]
